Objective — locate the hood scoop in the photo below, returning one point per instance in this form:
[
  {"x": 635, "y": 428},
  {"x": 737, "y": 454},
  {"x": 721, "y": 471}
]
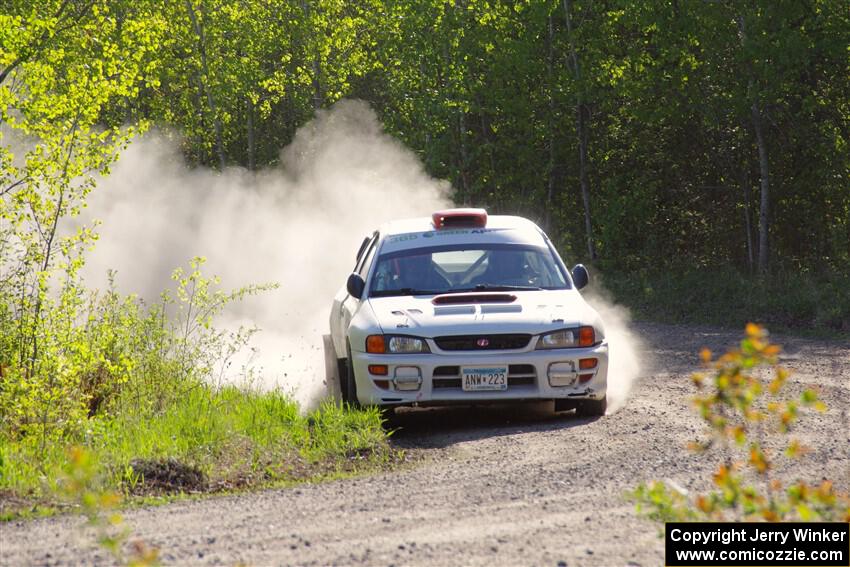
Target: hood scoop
[
  {"x": 461, "y": 298},
  {"x": 455, "y": 310},
  {"x": 496, "y": 308}
]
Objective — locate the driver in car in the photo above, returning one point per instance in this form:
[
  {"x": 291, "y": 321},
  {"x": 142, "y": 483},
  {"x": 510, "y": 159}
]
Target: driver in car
[
  {"x": 505, "y": 267},
  {"x": 419, "y": 272}
]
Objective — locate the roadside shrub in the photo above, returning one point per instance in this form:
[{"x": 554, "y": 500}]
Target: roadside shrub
[
  {"x": 141, "y": 388},
  {"x": 88, "y": 355},
  {"x": 742, "y": 413}
]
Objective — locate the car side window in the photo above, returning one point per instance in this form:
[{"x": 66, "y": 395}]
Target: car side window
[
  {"x": 362, "y": 255},
  {"x": 360, "y": 251},
  {"x": 367, "y": 258},
  {"x": 542, "y": 273}
]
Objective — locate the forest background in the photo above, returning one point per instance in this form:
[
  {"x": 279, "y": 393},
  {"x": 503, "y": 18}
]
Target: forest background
[{"x": 676, "y": 146}]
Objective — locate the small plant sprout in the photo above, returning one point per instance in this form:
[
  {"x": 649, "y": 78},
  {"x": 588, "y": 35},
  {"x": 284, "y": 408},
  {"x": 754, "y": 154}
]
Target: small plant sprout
[
  {"x": 78, "y": 482},
  {"x": 751, "y": 422}
]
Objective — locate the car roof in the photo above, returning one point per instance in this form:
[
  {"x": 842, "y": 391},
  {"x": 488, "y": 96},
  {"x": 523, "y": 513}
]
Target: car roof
[
  {"x": 500, "y": 229},
  {"x": 425, "y": 224}
]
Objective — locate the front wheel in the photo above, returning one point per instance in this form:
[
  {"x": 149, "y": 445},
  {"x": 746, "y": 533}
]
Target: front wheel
[
  {"x": 342, "y": 377},
  {"x": 388, "y": 417},
  {"x": 592, "y": 408},
  {"x": 350, "y": 396}
]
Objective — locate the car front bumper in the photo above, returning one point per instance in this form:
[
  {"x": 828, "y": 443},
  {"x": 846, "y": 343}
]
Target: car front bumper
[{"x": 533, "y": 375}]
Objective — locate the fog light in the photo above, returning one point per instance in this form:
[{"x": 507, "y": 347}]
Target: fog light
[
  {"x": 585, "y": 378},
  {"x": 561, "y": 374},
  {"x": 383, "y": 384},
  {"x": 378, "y": 369},
  {"x": 587, "y": 363},
  {"x": 407, "y": 378}
]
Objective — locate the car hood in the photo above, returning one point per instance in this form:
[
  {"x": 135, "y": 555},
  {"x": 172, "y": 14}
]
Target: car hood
[{"x": 530, "y": 312}]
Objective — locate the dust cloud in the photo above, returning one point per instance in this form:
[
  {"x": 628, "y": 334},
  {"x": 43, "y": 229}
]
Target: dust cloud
[
  {"x": 298, "y": 224},
  {"x": 624, "y": 346}
]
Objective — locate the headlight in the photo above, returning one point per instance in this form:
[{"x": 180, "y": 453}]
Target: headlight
[
  {"x": 402, "y": 344},
  {"x": 568, "y": 338},
  {"x": 395, "y": 344}
]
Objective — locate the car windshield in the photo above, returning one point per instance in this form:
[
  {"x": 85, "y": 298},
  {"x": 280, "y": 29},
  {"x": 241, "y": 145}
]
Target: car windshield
[{"x": 455, "y": 269}]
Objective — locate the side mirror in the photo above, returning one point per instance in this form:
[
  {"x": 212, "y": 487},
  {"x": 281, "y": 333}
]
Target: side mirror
[
  {"x": 355, "y": 285},
  {"x": 580, "y": 276}
]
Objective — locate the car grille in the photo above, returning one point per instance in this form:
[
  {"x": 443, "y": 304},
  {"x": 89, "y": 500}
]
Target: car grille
[
  {"x": 448, "y": 377},
  {"x": 483, "y": 342}
]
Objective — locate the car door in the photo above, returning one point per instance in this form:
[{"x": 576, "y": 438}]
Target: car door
[{"x": 345, "y": 306}]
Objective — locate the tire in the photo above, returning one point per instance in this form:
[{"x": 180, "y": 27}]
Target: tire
[
  {"x": 564, "y": 404},
  {"x": 342, "y": 377},
  {"x": 350, "y": 382},
  {"x": 592, "y": 408},
  {"x": 388, "y": 417}
]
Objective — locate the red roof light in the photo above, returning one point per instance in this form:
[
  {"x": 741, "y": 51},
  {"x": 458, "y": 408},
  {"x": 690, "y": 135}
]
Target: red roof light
[{"x": 460, "y": 218}]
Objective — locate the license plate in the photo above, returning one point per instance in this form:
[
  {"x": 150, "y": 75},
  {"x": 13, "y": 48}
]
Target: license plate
[{"x": 484, "y": 378}]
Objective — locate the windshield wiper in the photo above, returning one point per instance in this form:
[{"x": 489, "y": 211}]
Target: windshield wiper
[
  {"x": 404, "y": 291},
  {"x": 491, "y": 287}
]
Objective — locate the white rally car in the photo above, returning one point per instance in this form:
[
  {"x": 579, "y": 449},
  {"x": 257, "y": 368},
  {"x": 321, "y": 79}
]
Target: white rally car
[{"x": 463, "y": 308}]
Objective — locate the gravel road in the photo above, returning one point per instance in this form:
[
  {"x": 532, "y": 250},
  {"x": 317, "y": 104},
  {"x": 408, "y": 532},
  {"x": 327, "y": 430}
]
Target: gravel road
[{"x": 497, "y": 486}]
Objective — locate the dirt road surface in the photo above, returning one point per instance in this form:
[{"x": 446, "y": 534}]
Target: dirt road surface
[{"x": 496, "y": 487}]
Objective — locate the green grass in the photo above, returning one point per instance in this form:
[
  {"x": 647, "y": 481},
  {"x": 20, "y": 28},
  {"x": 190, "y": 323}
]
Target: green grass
[
  {"x": 125, "y": 388},
  {"x": 235, "y": 438},
  {"x": 802, "y": 303}
]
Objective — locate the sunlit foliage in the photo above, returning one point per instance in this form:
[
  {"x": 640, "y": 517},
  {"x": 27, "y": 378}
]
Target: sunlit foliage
[{"x": 751, "y": 424}]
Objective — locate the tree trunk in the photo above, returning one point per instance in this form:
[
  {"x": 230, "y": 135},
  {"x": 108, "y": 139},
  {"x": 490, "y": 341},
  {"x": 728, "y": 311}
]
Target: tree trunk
[
  {"x": 764, "y": 201},
  {"x": 423, "y": 93},
  {"x": 289, "y": 111},
  {"x": 585, "y": 182},
  {"x": 748, "y": 224},
  {"x": 202, "y": 52},
  {"x": 317, "y": 83},
  {"x": 582, "y": 112},
  {"x": 249, "y": 126},
  {"x": 316, "y": 64},
  {"x": 464, "y": 156},
  {"x": 764, "y": 170},
  {"x": 550, "y": 74}
]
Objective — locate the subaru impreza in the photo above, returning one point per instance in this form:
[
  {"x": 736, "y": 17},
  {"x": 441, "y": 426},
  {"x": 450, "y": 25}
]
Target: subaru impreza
[{"x": 466, "y": 308}]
